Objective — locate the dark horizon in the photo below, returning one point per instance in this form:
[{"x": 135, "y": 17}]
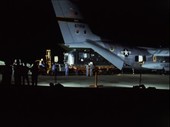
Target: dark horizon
[{"x": 29, "y": 27}]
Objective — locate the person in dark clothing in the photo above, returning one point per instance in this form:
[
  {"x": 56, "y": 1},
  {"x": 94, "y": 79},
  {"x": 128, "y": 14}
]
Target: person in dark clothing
[
  {"x": 35, "y": 72},
  {"x": 17, "y": 72},
  {"x": 7, "y": 74},
  {"x": 25, "y": 76}
]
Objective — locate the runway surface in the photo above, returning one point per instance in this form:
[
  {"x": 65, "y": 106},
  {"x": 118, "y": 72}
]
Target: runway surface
[{"x": 119, "y": 80}]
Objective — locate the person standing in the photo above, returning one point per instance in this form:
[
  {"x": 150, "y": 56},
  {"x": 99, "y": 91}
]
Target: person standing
[
  {"x": 87, "y": 70},
  {"x": 91, "y": 66},
  {"x": 25, "y": 70},
  {"x": 7, "y": 73},
  {"x": 54, "y": 71},
  {"x": 66, "y": 69},
  {"x": 35, "y": 72},
  {"x": 17, "y": 72}
]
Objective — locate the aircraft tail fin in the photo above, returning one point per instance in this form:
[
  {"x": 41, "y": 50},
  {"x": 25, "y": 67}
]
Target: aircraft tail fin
[
  {"x": 71, "y": 24},
  {"x": 76, "y": 33},
  {"x": 66, "y": 9}
]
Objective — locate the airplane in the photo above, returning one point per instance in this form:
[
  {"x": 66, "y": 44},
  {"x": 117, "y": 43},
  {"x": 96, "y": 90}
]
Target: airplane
[{"x": 77, "y": 34}]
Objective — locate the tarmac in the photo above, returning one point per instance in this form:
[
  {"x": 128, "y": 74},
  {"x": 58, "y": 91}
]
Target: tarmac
[{"x": 118, "y": 80}]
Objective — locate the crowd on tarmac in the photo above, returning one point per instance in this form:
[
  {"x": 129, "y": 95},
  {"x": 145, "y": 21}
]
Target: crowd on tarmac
[
  {"x": 89, "y": 69},
  {"x": 20, "y": 72}
]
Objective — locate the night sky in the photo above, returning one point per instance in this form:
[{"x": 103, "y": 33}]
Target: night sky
[
  {"x": 143, "y": 23},
  {"x": 29, "y": 27}
]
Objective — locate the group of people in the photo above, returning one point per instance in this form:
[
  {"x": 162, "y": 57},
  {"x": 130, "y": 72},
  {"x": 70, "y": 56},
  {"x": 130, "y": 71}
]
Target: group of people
[{"x": 20, "y": 72}]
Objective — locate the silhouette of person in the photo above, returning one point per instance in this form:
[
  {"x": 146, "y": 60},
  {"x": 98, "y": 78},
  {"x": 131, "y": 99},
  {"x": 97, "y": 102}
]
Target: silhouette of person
[
  {"x": 66, "y": 69},
  {"x": 7, "y": 73},
  {"x": 25, "y": 76},
  {"x": 87, "y": 70},
  {"x": 35, "y": 71},
  {"x": 91, "y": 66},
  {"x": 54, "y": 69},
  {"x": 17, "y": 72}
]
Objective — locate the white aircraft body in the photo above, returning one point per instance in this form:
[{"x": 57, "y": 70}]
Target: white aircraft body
[{"x": 77, "y": 34}]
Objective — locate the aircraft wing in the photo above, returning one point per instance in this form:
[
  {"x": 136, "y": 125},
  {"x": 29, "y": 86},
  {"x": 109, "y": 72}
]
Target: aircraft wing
[{"x": 111, "y": 57}]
